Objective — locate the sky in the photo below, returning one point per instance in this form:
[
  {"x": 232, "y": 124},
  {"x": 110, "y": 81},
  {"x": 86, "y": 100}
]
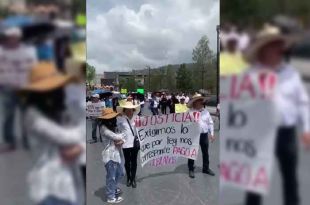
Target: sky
[{"x": 131, "y": 34}]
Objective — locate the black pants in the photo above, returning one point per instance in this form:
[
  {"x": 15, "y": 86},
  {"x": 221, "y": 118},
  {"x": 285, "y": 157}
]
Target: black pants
[
  {"x": 164, "y": 109},
  {"x": 155, "y": 111},
  {"x": 131, "y": 155},
  {"x": 286, "y": 153},
  {"x": 204, "y": 144},
  {"x": 83, "y": 172}
]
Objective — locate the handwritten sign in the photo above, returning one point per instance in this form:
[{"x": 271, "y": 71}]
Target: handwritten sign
[
  {"x": 248, "y": 128},
  {"x": 165, "y": 137},
  {"x": 16, "y": 65},
  {"x": 179, "y": 108},
  {"x": 94, "y": 109},
  {"x": 124, "y": 90}
]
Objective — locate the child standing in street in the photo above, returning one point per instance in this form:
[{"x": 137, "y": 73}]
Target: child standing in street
[{"x": 112, "y": 154}]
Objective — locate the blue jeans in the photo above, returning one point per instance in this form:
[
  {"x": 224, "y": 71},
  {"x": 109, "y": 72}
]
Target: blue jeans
[
  {"x": 114, "y": 175},
  {"x": 9, "y": 106},
  {"x": 54, "y": 201}
]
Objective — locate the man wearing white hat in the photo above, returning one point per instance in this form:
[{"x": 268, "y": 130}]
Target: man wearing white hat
[
  {"x": 231, "y": 59},
  {"x": 95, "y": 100},
  {"x": 207, "y": 132},
  {"x": 267, "y": 52},
  {"x": 16, "y": 61}
]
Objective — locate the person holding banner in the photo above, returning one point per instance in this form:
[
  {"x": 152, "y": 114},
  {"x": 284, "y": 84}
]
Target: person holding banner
[
  {"x": 267, "y": 52},
  {"x": 207, "y": 132},
  {"x": 112, "y": 154},
  {"x": 182, "y": 100},
  {"x": 95, "y": 102},
  {"x": 181, "y": 107},
  {"x": 16, "y": 61},
  {"x": 125, "y": 125}
]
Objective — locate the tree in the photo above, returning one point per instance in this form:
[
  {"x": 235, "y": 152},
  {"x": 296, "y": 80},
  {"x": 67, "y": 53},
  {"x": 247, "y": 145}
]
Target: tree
[
  {"x": 128, "y": 83},
  {"x": 184, "y": 80},
  {"x": 90, "y": 74},
  {"x": 131, "y": 83},
  {"x": 202, "y": 56},
  {"x": 257, "y": 12}
]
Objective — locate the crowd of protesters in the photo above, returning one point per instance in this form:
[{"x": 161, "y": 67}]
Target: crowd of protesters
[{"x": 118, "y": 133}]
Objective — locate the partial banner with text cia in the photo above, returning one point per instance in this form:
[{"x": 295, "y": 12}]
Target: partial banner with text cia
[{"x": 248, "y": 129}]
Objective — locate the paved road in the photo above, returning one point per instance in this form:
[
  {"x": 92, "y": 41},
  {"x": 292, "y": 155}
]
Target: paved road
[
  {"x": 13, "y": 171},
  {"x": 156, "y": 187}
]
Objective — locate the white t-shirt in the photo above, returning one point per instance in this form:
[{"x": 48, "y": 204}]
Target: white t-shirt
[
  {"x": 155, "y": 104},
  {"x": 16, "y": 64},
  {"x": 186, "y": 99},
  {"x": 244, "y": 41}
]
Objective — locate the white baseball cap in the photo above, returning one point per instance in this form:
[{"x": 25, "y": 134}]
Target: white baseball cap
[{"x": 95, "y": 96}]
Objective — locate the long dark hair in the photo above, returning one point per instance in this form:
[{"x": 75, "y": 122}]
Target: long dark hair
[
  {"x": 51, "y": 103},
  {"x": 109, "y": 123}
]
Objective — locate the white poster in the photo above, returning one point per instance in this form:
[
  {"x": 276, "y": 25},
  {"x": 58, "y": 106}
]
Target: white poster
[
  {"x": 94, "y": 109},
  {"x": 16, "y": 65},
  {"x": 248, "y": 129},
  {"x": 163, "y": 138}
]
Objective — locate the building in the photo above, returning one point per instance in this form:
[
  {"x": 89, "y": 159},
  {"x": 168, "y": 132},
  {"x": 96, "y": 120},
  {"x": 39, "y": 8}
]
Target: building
[{"x": 115, "y": 78}]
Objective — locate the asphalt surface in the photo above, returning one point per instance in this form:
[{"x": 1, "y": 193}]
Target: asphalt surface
[{"x": 160, "y": 186}]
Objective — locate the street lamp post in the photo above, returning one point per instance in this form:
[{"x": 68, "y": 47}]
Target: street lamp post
[{"x": 218, "y": 64}]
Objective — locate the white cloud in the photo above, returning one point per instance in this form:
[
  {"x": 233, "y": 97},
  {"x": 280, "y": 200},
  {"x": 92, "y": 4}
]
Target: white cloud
[{"x": 156, "y": 33}]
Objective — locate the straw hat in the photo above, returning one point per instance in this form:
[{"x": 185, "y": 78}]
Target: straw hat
[
  {"x": 45, "y": 77},
  {"x": 128, "y": 105},
  {"x": 268, "y": 35},
  {"x": 195, "y": 98},
  {"x": 108, "y": 113}
]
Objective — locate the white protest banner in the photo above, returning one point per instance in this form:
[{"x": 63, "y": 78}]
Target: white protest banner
[
  {"x": 163, "y": 138},
  {"x": 248, "y": 129},
  {"x": 94, "y": 109}
]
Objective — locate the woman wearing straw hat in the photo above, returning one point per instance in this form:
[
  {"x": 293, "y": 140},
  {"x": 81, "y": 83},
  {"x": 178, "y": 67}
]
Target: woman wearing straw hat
[
  {"x": 267, "y": 52},
  {"x": 126, "y": 125},
  {"x": 207, "y": 132},
  {"x": 55, "y": 177},
  {"x": 112, "y": 154}
]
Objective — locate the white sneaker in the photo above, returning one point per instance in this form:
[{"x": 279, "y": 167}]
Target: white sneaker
[{"x": 115, "y": 200}]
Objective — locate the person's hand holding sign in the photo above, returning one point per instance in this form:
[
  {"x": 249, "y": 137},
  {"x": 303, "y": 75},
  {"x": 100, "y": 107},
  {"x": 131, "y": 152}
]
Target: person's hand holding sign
[
  {"x": 71, "y": 153},
  {"x": 212, "y": 138},
  {"x": 118, "y": 143}
]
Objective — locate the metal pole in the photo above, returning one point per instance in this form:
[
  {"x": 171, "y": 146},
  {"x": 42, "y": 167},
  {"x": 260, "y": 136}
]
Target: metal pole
[
  {"x": 134, "y": 78},
  {"x": 202, "y": 76},
  {"x": 149, "y": 78},
  {"x": 218, "y": 65}
]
